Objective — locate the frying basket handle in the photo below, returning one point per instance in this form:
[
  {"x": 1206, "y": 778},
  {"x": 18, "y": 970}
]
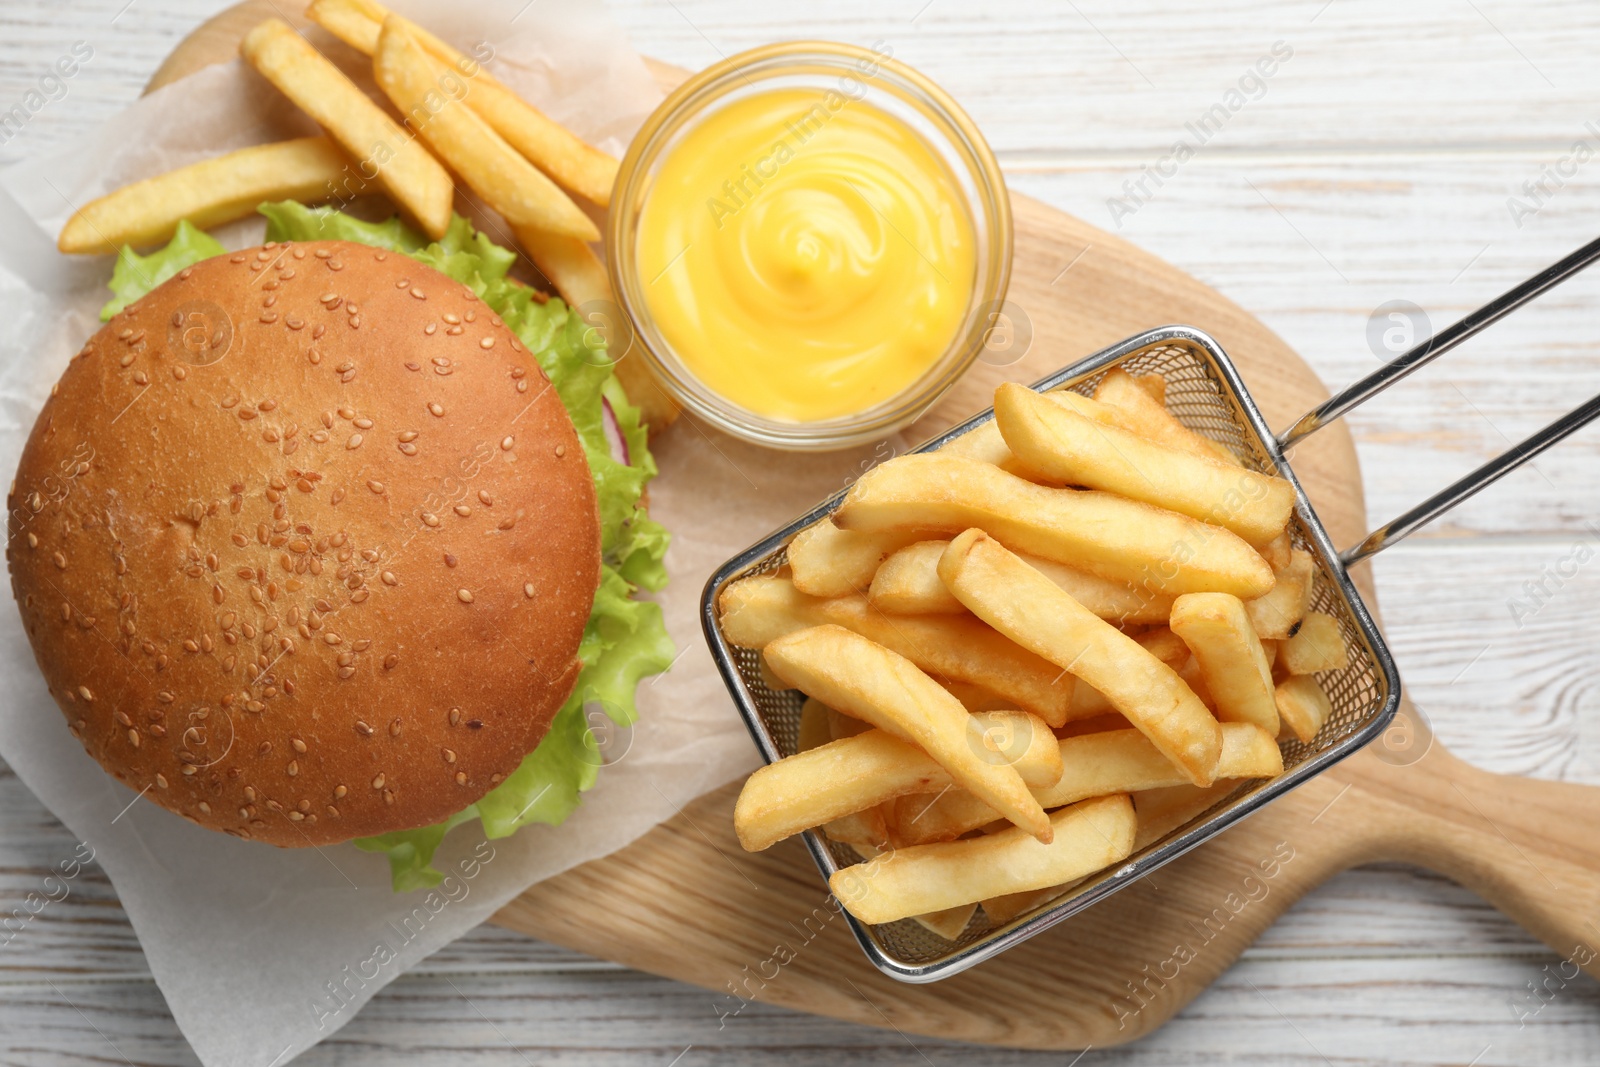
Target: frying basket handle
[{"x": 1420, "y": 356}]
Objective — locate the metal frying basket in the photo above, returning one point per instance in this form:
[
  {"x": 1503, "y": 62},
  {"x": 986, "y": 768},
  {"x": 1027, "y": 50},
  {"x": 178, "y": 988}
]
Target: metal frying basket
[{"x": 1205, "y": 392}]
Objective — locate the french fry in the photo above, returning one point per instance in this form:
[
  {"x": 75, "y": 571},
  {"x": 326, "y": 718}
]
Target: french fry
[
  {"x": 576, "y": 166},
  {"x": 1122, "y": 540},
  {"x": 1277, "y": 551},
  {"x": 1119, "y": 389},
  {"x": 1162, "y": 811},
  {"x": 861, "y": 830},
  {"x": 207, "y": 193},
  {"x": 907, "y": 583},
  {"x": 1097, "y": 724},
  {"x": 1303, "y": 706},
  {"x": 432, "y": 97},
  {"x": 416, "y": 181},
  {"x": 949, "y": 923},
  {"x": 1275, "y": 615},
  {"x": 1087, "y": 837},
  {"x": 1088, "y": 703},
  {"x": 1165, "y": 646},
  {"x": 976, "y": 698},
  {"x": 982, "y": 444},
  {"x": 829, "y": 782},
  {"x": 814, "y": 730},
  {"x": 579, "y": 276},
  {"x": 1003, "y": 909},
  {"x": 1155, "y": 385},
  {"x": 1235, "y": 669},
  {"x": 827, "y": 561},
  {"x": 1061, "y": 446},
  {"x": 986, "y": 444},
  {"x": 1030, "y": 609},
  {"x": 841, "y": 725},
  {"x": 846, "y": 671},
  {"x": 1189, "y": 671},
  {"x": 1317, "y": 646},
  {"x": 756, "y": 611},
  {"x": 1269, "y": 648},
  {"x": 1094, "y": 765},
  {"x": 355, "y": 22},
  {"x": 953, "y": 649},
  {"x": 770, "y": 680}
]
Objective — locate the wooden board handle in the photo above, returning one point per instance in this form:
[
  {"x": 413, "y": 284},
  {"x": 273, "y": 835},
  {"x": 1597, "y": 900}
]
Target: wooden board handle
[{"x": 1528, "y": 847}]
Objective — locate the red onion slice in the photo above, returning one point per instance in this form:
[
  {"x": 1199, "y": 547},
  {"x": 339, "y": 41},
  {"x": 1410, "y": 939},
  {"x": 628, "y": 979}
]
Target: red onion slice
[{"x": 614, "y": 437}]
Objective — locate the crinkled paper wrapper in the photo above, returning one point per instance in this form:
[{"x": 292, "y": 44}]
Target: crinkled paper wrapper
[{"x": 263, "y": 952}]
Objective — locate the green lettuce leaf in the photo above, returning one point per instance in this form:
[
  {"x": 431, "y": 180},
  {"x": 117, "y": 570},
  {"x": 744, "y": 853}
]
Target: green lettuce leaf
[
  {"x": 625, "y": 639},
  {"x": 135, "y": 275}
]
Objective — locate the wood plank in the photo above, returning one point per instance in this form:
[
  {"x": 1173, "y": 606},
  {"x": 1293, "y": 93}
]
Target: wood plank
[
  {"x": 1315, "y": 247},
  {"x": 1272, "y": 1013},
  {"x": 1073, "y": 81}
]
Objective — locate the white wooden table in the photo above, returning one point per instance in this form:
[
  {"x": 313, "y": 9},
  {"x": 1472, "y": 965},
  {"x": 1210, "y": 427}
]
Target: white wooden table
[{"x": 1378, "y": 163}]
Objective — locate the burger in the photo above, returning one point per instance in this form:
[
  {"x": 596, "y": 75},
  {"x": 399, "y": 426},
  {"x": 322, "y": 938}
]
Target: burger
[{"x": 337, "y": 538}]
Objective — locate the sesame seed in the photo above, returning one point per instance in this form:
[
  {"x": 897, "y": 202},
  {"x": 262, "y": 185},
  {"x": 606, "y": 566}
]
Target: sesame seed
[
  {"x": 463, "y": 510},
  {"x": 561, "y": 450},
  {"x": 455, "y": 716},
  {"x": 527, "y": 590},
  {"x": 377, "y": 782},
  {"x": 354, "y": 442},
  {"x": 394, "y": 728},
  {"x": 461, "y": 778},
  {"x": 85, "y": 693},
  {"x": 389, "y": 578},
  {"x": 407, "y": 448},
  {"x": 485, "y": 498},
  {"x": 506, "y": 443},
  {"x": 339, "y": 792},
  {"x": 431, "y": 328},
  {"x": 389, "y": 661},
  {"x": 347, "y": 673},
  {"x": 293, "y": 768},
  {"x": 298, "y": 745},
  {"x": 486, "y": 343},
  {"x": 408, "y": 435},
  {"x": 364, "y": 730},
  {"x": 464, "y": 595},
  {"x": 363, "y": 424},
  {"x": 60, "y": 560},
  {"x": 419, "y": 294},
  {"x": 375, "y": 486}
]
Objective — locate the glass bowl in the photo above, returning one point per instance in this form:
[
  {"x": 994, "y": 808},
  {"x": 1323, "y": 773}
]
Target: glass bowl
[{"x": 892, "y": 87}]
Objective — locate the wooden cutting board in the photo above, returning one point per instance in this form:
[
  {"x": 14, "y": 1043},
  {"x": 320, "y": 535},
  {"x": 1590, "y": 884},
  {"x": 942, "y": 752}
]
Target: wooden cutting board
[{"x": 685, "y": 902}]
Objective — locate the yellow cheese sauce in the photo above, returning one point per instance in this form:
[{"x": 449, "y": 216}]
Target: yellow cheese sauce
[{"x": 807, "y": 255}]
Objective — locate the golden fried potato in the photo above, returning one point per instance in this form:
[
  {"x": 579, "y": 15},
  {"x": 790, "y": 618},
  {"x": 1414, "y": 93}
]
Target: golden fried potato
[
  {"x": 1087, "y": 837},
  {"x": 1121, "y": 390},
  {"x": 1303, "y": 705},
  {"x": 1317, "y": 646},
  {"x": 1027, "y": 607},
  {"x": 433, "y": 97},
  {"x": 209, "y": 193},
  {"x": 848, "y": 672},
  {"x": 1235, "y": 669},
  {"x": 416, "y": 181},
  {"x": 1275, "y": 615},
  {"x": 1063, "y": 447},
  {"x": 1122, "y": 540}
]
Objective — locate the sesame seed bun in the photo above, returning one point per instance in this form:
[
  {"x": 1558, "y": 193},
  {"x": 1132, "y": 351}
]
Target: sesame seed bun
[{"x": 305, "y": 545}]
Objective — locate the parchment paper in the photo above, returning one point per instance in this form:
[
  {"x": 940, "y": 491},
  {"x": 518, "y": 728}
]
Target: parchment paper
[{"x": 263, "y": 952}]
